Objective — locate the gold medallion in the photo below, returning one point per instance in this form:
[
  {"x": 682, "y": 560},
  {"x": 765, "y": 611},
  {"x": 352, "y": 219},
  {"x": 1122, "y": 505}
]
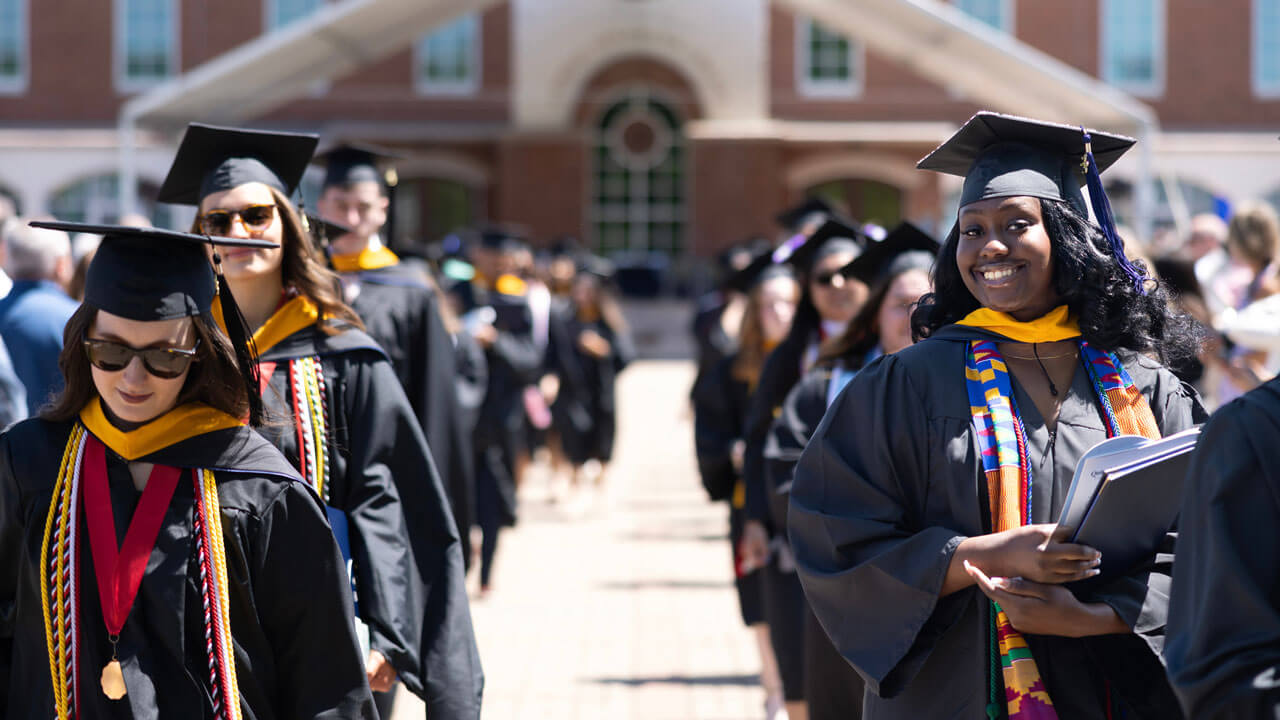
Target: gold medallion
[{"x": 113, "y": 681}]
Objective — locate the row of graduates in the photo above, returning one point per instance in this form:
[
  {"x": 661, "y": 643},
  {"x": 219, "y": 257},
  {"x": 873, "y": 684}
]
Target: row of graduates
[
  {"x": 922, "y": 500},
  {"x": 160, "y": 557}
]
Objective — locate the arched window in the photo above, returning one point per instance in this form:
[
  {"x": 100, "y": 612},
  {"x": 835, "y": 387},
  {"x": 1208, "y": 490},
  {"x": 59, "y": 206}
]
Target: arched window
[
  {"x": 96, "y": 199},
  {"x": 638, "y": 177}
]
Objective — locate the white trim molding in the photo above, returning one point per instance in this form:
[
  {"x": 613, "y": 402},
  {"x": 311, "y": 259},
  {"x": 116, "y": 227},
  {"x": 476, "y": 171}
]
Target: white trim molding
[
  {"x": 475, "y": 61},
  {"x": 847, "y": 89},
  {"x": 119, "y": 50},
  {"x": 1159, "y": 29}
]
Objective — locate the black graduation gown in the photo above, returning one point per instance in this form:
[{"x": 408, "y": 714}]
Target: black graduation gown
[
  {"x": 513, "y": 361},
  {"x": 713, "y": 343},
  {"x": 833, "y": 689},
  {"x": 403, "y": 315},
  {"x": 290, "y": 600},
  {"x": 1224, "y": 616},
  {"x": 719, "y": 414},
  {"x": 585, "y": 409},
  {"x": 890, "y": 485},
  {"x": 418, "y": 612}
]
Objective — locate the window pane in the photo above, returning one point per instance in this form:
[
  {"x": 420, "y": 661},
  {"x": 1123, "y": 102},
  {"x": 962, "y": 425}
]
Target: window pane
[
  {"x": 13, "y": 28},
  {"x": 448, "y": 55},
  {"x": 991, "y": 12},
  {"x": 284, "y": 12},
  {"x": 148, "y": 39},
  {"x": 1266, "y": 45},
  {"x": 829, "y": 58},
  {"x": 1131, "y": 42},
  {"x": 638, "y": 178}
]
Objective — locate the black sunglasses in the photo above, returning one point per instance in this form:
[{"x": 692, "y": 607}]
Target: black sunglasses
[
  {"x": 255, "y": 218},
  {"x": 828, "y": 277},
  {"x": 162, "y": 362}
]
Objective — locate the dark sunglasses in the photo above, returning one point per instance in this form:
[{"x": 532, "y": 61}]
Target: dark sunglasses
[
  {"x": 162, "y": 362},
  {"x": 255, "y": 218},
  {"x": 828, "y": 278}
]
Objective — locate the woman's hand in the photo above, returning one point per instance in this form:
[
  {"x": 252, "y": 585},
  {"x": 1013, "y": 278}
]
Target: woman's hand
[
  {"x": 1031, "y": 552},
  {"x": 380, "y": 673},
  {"x": 1042, "y": 609},
  {"x": 754, "y": 546},
  {"x": 594, "y": 344}
]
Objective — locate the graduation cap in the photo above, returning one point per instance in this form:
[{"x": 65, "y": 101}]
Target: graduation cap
[
  {"x": 212, "y": 159},
  {"x": 151, "y": 274},
  {"x": 878, "y": 256},
  {"x": 794, "y": 218},
  {"x": 597, "y": 266},
  {"x": 833, "y": 236},
  {"x": 1005, "y": 156},
  {"x": 325, "y": 231},
  {"x": 502, "y": 239},
  {"x": 350, "y": 163},
  {"x": 761, "y": 268}
]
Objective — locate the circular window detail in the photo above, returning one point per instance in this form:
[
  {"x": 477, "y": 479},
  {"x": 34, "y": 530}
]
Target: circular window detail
[{"x": 639, "y": 140}]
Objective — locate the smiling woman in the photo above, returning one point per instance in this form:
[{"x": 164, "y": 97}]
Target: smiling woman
[{"x": 921, "y": 511}]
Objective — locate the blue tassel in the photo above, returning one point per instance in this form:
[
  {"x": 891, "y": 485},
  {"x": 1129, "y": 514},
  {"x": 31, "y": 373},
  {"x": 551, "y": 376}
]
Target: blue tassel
[{"x": 1107, "y": 221}]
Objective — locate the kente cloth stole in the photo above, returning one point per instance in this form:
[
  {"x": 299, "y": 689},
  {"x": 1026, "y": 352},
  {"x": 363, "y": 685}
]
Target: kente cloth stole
[
  {"x": 60, "y": 590},
  {"x": 1002, "y": 440}
]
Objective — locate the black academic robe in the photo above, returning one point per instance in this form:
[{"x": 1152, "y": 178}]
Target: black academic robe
[
  {"x": 585, "y": 409},
  {"x": 891, "y": 483},
  {"x": 782, "y": 370},
  {"x": 719, "y": 414},
  {"x": 403, "y": 315},
  {"x": 1224, "y": 616},
  {"x": 383, "y": 478},
  {"x": 290, "y": 600},
  {"x": 713, "y": 343},
  {"x": 513, "y": 361},
  {"x": 833, "y": 689}
]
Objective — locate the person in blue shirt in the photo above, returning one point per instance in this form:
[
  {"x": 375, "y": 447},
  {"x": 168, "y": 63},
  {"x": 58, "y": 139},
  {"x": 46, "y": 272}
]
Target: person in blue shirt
[{"x": 34, "y": 313}]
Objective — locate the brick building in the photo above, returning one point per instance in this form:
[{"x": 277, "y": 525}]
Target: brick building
[{"x": 672, "y": 125}]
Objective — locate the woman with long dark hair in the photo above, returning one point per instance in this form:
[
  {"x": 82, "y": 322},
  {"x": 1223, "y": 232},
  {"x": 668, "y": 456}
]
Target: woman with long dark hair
[
  {"x": 227, "y": 597},
  {"x": 720, "y": 401},
  {"x": 897, "y": 269},
  {"x": 922, "y": 511},
  {"x": 589, "y": 345},
  {"x": 338, "y": 413},
  {"x": 828, "y": 302}
]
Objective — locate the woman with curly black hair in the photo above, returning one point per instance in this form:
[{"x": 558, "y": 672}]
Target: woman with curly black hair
[{"x": 922, "y": 511}]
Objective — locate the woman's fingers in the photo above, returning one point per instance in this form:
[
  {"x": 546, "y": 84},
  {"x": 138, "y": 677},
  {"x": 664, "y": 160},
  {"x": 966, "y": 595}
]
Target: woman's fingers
[{"x": 984, "y": 583}]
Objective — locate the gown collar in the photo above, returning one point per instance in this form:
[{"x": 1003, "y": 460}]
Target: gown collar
[
  {"x": 1058, "y": 324},
  {"x": 181, "y": 423}
]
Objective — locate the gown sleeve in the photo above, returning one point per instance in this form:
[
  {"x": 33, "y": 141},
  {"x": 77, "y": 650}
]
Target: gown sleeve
[
  {"x": 303, "y": 599},
  {"x": 716, "y": 427},
  {"x": 1224, "y": 621},
  {"x": 11, "y": 533},
  {"x": 790, "y": 432},
  {"x": 871, "y": 570},
  {"x": 768, "y": 395},
  {"x": 387, "y": 446}
]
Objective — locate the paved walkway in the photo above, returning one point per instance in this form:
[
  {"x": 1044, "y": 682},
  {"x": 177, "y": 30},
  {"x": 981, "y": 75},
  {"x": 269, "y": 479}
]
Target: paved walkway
[{"x": 619, "y": 603}]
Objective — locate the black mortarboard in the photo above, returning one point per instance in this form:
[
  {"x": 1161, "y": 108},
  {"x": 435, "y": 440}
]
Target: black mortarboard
[
  {"x": 351, "y": 163},
  {"x": 325, "y": 231},
  {"x": 793, "y": 218},
  {"x": 212, "y": 159},
  {"x": 151, "y": 274},
  {"x": 597, "y": 266},
  {"x": 762, "y": 267},
  {"x": 833, "y": 236},
  {"x": 878, "y": 255},
  {"x": 501, "y": 238},
  {"x": 1004, "y": 155}
]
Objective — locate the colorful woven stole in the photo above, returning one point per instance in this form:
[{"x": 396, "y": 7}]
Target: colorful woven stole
[
  {"x": 311, "y": 420},
  {"x": 60, "y": 577},
  {"x": 1002, "y": 441}
]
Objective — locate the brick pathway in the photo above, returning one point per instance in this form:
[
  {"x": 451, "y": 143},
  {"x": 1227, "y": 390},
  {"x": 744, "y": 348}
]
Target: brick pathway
[{"x": 619, "y": 604}]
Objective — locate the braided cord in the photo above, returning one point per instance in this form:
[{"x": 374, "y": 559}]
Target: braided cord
[{"x": 54, "y": 572}]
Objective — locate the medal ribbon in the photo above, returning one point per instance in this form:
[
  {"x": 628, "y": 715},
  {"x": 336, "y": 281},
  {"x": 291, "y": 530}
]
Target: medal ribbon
[{"x": 120, "y": 570}]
